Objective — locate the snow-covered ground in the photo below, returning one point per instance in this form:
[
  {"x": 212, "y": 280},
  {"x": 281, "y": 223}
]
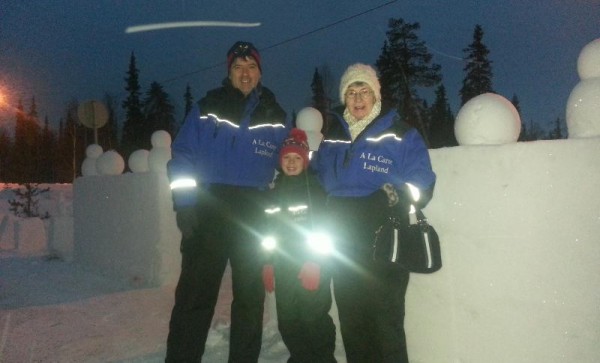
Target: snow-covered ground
[{"x": 52, "y": 310}]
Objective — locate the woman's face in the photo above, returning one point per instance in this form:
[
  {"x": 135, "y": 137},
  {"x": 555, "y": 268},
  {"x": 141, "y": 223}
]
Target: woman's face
[{"x": 359, "y": 100}]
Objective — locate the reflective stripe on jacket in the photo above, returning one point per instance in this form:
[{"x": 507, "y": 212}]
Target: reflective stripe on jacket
[{"x": 387, "y": 151}]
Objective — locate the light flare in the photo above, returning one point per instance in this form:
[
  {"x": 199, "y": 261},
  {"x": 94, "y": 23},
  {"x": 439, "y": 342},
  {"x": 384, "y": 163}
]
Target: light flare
[{"x": 187, "y": 24}]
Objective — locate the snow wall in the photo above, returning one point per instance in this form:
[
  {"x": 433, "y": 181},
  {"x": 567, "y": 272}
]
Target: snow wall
[
  {"x": 34, "y": 236},
  {"x": 124, "y": 226},
  {"x": 520, "y": 232}
]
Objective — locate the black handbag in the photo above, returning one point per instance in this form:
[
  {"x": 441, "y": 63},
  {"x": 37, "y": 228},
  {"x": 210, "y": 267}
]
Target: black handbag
[{"x": 414, "y": 247}]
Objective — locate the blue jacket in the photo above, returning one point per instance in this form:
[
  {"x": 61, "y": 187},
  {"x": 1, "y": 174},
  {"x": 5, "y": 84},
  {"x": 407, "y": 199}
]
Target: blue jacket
[
  {"x": 387, "y": 151},
  {"x": 227, "y": 139}
]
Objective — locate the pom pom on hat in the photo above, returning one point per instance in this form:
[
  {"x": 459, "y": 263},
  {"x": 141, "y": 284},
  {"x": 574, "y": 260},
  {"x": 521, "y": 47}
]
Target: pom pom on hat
[
  {"x": 297, "y": 143},
  {"x": 360, "y": 73},
  {"x": 242, "y": 49}
]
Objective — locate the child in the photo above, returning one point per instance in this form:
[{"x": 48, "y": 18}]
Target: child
[{"x": 296, "y": 271}]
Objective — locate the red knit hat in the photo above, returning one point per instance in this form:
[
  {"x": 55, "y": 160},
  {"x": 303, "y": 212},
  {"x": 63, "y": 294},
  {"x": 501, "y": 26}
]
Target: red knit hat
[
  {"x": 297, "y": 143},
  {"x": 242, "y": 49}
]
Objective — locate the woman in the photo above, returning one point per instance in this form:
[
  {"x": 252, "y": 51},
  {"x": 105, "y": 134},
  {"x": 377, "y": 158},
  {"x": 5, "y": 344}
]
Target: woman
[{"x": 366, "y": 163}]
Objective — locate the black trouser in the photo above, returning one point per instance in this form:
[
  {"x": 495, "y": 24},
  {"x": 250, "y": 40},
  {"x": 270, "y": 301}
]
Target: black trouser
[
  {"x": 303, "y": 317},
  {"x": 369, "y": 296},
  {"x": 226, "y": 217}
]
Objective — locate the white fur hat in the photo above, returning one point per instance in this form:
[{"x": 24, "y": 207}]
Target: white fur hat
[{"x": 360, "y": 73}]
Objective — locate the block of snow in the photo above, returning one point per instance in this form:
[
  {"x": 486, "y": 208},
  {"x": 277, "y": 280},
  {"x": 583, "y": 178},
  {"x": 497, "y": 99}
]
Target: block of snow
[
  {"x": 8, "y": 232},
  {"x": 31, "y": 237},
  {"x": 583, "y": 109},
  {"x": 60, "y": 237},
  {"x": 124, "y": 226}
]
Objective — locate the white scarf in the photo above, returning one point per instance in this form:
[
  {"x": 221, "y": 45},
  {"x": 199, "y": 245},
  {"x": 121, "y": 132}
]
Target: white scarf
[{"x": 357, "y": 126}]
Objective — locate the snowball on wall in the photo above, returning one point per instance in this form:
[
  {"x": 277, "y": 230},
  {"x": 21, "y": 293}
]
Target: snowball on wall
[
  {"x": 93, "y": 151},
  {"x": 138, "y": 161},
  {"x": 588, "y": 63},
  {"x": 487, "y": 119},
  {"x": 88, "y": 167},
  {"x": 160, "y": 138},
  {"x": 160, "y": 153},
  {"x": 583, "y": 109},
  {"x": 158, "y": 158},
  {"x": 110, "y": 163},
  {"x": 310, "y": 120}
]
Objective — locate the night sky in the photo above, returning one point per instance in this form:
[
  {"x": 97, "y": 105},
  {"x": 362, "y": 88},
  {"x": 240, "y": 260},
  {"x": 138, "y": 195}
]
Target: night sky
[{"x": 61, "y": 50}]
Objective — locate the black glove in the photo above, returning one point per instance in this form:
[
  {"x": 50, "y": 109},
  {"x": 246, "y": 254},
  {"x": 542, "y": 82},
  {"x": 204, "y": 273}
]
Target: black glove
[
  {"x": 391, "y": 193},
  {"x": 399, "y": 200},
  {"x": 187, "y": 221}
]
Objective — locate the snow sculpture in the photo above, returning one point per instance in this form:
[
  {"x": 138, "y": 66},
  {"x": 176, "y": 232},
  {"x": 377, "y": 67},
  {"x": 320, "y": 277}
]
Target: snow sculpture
[
  {"x": 92, "y": 152},
  {"x": 588, "y": 63},
  {"x": 487, "y": 119},
  {"x": 310, "y": 120},
  {"x": 110, "y": 163},
  {"x": 583, "y": 105},
  {"x": 160, "y": 153},
  {"x": 138, "y": 161}
]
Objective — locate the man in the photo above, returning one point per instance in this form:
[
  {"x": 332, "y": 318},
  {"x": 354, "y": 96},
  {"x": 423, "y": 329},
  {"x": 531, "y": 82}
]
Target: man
[{"x": 224, "y": 158}]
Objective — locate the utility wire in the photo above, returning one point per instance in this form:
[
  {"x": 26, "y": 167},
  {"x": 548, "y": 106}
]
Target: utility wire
[{"x": 220, "y": 64}]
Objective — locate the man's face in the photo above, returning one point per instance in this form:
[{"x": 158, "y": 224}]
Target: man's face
[{"x": 244, "y": 74}]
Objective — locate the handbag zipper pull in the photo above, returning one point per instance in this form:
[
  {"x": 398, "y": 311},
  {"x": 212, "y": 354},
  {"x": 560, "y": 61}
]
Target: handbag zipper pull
[{"x": 412, "y": 215}]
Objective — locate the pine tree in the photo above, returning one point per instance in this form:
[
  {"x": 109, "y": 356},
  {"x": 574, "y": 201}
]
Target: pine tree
[
  {"x": 48, "y": 155},
  {"x": 478, "y": 78},
  {"x": 71, "y": 146},
  {"x": 108, "y": 135},
  {"x": 62, "y": 165},
  {"x": 405, "y": 64},
  {"x": 6, "y": 146},
  {"x": 133, "y": 127},
  {"x": 26, "y": 202},
  {"x": 320, "y": 101},
  {"x": 19, "y": 147},
  {"x": 189, "y": 101},
  {"x": 441, "y": 133},
  {"x": 26, "y": 147},
  {"x": 158, "y": 113},
  {"x": 35, "y": 134},
  {"x": 531, "y": 132},
  {"x": 515, "y": 102},
  {"x": 557, "y": 132},
  {"x": 524, "y": 131}
]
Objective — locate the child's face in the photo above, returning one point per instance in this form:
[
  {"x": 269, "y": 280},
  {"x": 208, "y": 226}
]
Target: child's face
[{"x": 292, "y": 164}]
